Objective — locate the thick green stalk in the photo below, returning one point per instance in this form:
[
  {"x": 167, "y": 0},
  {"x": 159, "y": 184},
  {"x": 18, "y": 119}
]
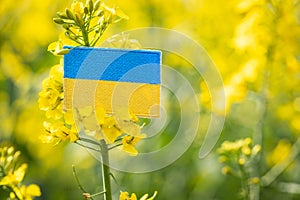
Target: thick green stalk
[{"x": 105, "y": 170}]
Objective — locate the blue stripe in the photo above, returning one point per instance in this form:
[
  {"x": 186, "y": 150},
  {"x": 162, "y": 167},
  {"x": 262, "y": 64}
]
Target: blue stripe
[{"x": 141, "y": 66}]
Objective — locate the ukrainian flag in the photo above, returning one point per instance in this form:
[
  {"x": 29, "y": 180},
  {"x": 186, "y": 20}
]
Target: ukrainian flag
[{"x": 113, "y": 79}]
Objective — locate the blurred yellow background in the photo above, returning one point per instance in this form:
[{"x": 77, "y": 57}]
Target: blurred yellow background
[{"x": 254, "y": 43}]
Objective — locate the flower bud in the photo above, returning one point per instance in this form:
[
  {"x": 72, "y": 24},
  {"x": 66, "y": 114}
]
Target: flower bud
[
  {"x": 16, "y": 155},
  {"x": 58, "y": 20},
  {"x": 62, "y": 15},
  {"x": 62, "y": 52},
  {"x": 69, "y": 14},
  {"x": 246, "y": 150},
  {"x": 255, "y": 180},
  {"x": 9, "y": 159},
  {"x": 86, "y": 10},
  {"x": 97, "y": 5},
  {"x": 10, "y": 150},
  {"x": 222, "y": 159},
  {"x": 66, "y": 26},
  {"x": 78, "y": 20},
  {"x": 100, "y": 13},
  {"x": 226, "y": 170},
  {"x": 91, "y": 5},
  {"x": 242, "y": 161},
  {"x": 256, "y": 149}
]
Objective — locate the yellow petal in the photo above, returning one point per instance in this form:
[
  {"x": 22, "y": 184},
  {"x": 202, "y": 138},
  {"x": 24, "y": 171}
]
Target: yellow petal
[
  {"x": 130, "y": 149},
  {"x": 46, "y": 138},
  {"x": 86, "y": 111},
  {"x": 61, "y": 52},
  {"x": 6, "y": 180},
  {"x": 111, "y": 133},
  {"x": 12, "y": 195},
  {"x": 69, "y": 117},
  {"x": 20, "y": 172},
  {"x": 33, "y": 190},
  {"x": 52, "y": 46},
  {"x": 124, "y": 195},
  {"x": 121, "y": 14},
  {"x": 145, "y": 197},
  {"x": 125, "y": 120},
  {"x": 90, "y": 123},
  {"x": 100, "y": 114},
  {"x": 73, "y": 136},
  {"x": 129, "y": 127}
]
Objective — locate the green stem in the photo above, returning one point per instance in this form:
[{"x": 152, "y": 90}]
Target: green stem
[
  {"x": 85, "y": 37},
  {"x": 98, "y": 150},
  {"x": 89, "y": 141},
  {"x": 244, "y": 179},
  {"x": 97, "y": 194},
  {"x": 115, "y": 146},
  {"x": 105, "y": 170},
  {"x": 77, "y": 179}
]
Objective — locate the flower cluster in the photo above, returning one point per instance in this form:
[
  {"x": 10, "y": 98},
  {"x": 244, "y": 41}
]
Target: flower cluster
[
  {"x": 89, "y": 126},
  {"x": 12, "y": 174},
  {"x": 85, "y": 24},
  {"x": 120, "y": 128},
  {"x": 126, "y": 196},
  {"x": 58, "y": 126},
  {"x": 237, "y": 154},
  {"x": 239, "y": 158},
  {"x": 61, "y": 125}
]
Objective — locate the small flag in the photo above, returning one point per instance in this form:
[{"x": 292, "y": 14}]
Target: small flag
[{"x": 113, "y": 79}]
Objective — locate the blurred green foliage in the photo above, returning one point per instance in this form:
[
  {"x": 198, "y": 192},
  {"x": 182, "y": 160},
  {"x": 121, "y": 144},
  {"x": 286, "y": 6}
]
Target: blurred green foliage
[{"x": 255, "y": 45}]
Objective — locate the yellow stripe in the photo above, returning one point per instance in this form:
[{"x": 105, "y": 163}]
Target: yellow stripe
[{"x": 143, "y": 99}]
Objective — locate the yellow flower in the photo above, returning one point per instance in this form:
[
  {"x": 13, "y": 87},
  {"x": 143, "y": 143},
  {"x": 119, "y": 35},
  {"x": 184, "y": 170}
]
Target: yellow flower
[
  {"x": 239, "y": 145},
  {"x": 246, "y": 150},
  {"x": 256, "y": 149},
  {"x": 77, "y": 9},
  {"x": 73, "y": 134},
  {"x": 226, "y": 170},
  {"x": 69, "y": 117},
  {"x": 125, "y": 196},
  {"x": 50, "y": 100},
  {"x": 15, "y": 177},
  {"x": 114, "y": 15},
  {"x": 242, "y": 161},
  {"x": 255, "y": 180},
  {"x": 55, "y": 113},
  {"x": 100, "y": 114},
  {"x": 51, "y": 96},
  {"x": 110, "y": 129},
  {"x": 126, "y": 121},
  {"x": 57, "y": 129},
  {"x": 56, "y": 48},
  {"x": 30, "y": 191},
  {"x": 56, "y": 74},
  {"x": 129, "y": 142},
  {"x": 27, "y": 192}
]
